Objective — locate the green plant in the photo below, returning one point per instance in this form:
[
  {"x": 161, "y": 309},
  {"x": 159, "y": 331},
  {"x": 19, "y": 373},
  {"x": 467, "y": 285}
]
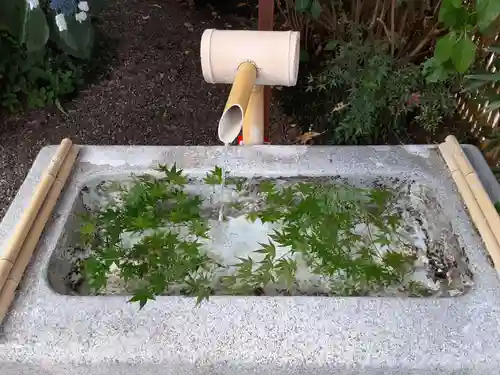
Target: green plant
[
  {"x": 320, "y": 226},
  {"x": 364, "y": 95},
  {"x": 44, "y": 49},
  {"x": 34, "y": 80},
  {"x": 367, "y": 83},
  {"x": 154, "y": 233},
  {"x": 456, "y": 50},
  {"x": 450, "y": 30},
  {"x": 164, "y": 256}
]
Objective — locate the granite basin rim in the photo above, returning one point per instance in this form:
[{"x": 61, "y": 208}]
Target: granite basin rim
[{"x": 50, "y": 333}]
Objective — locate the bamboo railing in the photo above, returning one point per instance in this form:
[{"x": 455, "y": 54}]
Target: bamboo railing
[{"x": 20, "y": 247}]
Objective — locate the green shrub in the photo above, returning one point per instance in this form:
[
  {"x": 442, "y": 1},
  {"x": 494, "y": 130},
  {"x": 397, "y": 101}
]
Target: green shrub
[
  {"x": 363, "y": 95},
  {"x": 467, "y": 25},
  {"x": 34, "y": 80}
]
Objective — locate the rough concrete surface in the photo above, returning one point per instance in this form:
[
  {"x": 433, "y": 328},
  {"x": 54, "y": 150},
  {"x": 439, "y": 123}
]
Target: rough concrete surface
[{"x": 49, "y": 333}]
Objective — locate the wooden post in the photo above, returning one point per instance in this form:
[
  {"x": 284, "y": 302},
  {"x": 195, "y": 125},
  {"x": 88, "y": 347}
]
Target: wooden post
[{"x": 266, "y": 23}]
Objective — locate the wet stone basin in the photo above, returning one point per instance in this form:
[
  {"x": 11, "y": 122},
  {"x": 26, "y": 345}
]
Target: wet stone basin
[
  {"x": 439, "y": 266},
  {"x": 439, "y": 316}
]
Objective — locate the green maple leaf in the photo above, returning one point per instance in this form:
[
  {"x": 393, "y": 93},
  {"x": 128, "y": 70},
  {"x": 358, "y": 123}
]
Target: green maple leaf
[
  {"x": 173, "y": 175},
  {"x": 142, "y": 296},
  {"x": 214, "y": 177}
]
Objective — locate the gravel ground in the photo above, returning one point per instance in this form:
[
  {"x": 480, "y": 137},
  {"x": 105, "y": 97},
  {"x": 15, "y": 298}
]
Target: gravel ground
[{"x": 154, "y": 95}]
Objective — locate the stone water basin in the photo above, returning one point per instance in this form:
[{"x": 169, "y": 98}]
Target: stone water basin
[{"x": 57, "y": 324}]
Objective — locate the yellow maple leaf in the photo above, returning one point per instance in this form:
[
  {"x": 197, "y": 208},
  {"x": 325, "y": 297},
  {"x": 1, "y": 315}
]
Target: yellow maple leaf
[{"x": 307, "y": 137}]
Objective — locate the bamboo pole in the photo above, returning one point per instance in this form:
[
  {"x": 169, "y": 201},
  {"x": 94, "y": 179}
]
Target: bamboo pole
[
  {"x": 479, "y": 219},
  {"x": 482, "y": 198},
  {"x": 253, "y": 121},
  {"x": 14, "y": 278},
  {"x": 459, "y": 156},
  {"x": 231, "y": 121},
  {"x": 13, "y": 247}
]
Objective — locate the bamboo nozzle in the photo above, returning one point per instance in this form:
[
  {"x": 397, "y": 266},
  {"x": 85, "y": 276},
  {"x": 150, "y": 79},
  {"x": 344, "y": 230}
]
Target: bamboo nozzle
[{"x": 231, "y": 121}]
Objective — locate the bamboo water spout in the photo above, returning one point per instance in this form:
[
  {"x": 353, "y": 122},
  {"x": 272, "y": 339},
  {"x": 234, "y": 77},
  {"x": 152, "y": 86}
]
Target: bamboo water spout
[{"x": 249, "y": 60}]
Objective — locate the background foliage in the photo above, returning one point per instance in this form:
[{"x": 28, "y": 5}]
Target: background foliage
[
  {"x": 363, "y": 95},
  {"x": 40, "y": 62},
  {"x": 423, "y": 50}
]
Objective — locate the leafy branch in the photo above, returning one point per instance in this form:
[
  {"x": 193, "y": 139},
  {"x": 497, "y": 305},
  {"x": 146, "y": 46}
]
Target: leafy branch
[{"x": 455, "y": 51}]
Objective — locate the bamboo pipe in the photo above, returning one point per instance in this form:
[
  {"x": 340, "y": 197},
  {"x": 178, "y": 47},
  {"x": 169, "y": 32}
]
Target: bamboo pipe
[
  {"x": 8, "y": 291},
  {"x": 13, "y": 247},
  {"x": 231, "y": 121},
  {"x": 482, "y": 198},
  {"x": 253, "y": 122},
  {"x": 489, "y": 239}
]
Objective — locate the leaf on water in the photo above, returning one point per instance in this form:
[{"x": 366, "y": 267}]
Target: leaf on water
[
  {"x": 269, "y": 250},
  {"x": 252, "y": 216},
  {"x": 142, "y": 296},
  {"x": 214, "y": 177},
  {"x": 319, "y": 221},
  {"x": 173, "y": 175},
  {"x": 267, "y": 187},
  {"x": 286, "y": 270}
]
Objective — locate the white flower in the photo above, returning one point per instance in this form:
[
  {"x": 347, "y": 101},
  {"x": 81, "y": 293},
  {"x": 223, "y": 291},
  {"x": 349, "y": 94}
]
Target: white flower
[
  {"x": 61, "y": 22},
  {"x": 83, "y": 6},
  {"x": 81, "y": 16},
  {"x": 32, "y": 4}
]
